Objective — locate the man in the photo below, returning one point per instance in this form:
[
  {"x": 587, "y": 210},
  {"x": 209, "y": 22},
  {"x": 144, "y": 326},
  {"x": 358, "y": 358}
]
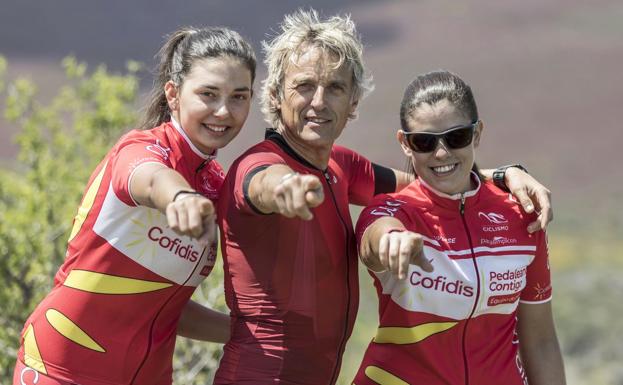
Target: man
[{"x": 287, "y": 236}]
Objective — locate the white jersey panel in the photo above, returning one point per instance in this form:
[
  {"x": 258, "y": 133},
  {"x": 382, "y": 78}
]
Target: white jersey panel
[
  {"x": 451, "y": 289},
  {"x": 142, "y": 234}
]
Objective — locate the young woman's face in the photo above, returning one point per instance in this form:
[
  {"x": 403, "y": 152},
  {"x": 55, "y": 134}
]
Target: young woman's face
[
  {"x": 445, "y": 169},
  {"x": 213, "y": 102}
]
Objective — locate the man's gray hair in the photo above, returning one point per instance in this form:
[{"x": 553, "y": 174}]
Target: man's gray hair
[{"x": 299, "y": 31}]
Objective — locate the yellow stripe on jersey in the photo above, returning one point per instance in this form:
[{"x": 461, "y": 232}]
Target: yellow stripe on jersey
[
  {"x": 383, "y": 377},
  {"x": 401, "y": 336},
  {"x": 110, "y": 284},
  {"x": 32, "y": 357},
  {"x": 69, "y": 329},
  {"x": 87, "y": 203}
]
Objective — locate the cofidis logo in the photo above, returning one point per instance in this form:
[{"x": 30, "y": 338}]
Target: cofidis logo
[
  {"x": 173, "y": 245},
  {"x": 441, "y": 283}
]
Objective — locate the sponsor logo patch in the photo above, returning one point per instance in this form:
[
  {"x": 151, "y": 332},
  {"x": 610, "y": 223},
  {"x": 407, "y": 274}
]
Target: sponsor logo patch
[
  {"x": 388, "y": 210},
  {"x": 441, "y": 283},
  {"x": 495, "y": 218},
  {"x": 502, "y": 299},
  {"x": 497, "y": 240},
  {"x": 159, "y": 150},
  {"x": 493, "y": 229},
  {"x": 174, "y": 245},
  {"x": 509, "y": 280},
  {"x": 448, "y": 240}
]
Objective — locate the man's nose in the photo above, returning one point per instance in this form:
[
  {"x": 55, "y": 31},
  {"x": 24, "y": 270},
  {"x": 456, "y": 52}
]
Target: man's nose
[{"x": 318, "y": 100}]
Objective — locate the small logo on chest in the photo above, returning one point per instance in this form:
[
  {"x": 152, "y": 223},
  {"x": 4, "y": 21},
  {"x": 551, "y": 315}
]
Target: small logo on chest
[{"x": 159, "y": 150}]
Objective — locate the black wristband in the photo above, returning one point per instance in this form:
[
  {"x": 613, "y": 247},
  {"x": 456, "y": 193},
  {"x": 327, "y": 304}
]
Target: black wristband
[
  {"x": 500, "y": 173},
  {"x": 177, "y": 194}
]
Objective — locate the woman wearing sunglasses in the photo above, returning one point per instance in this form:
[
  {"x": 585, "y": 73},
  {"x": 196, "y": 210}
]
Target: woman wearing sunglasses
[{"x": 464, "y": 289}]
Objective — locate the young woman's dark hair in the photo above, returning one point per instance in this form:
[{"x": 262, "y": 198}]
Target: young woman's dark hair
[
  {"x": 177, "y": 56},
  {"x": 433, "y": 87}
]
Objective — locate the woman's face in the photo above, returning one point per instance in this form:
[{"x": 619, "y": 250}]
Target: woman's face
[
  {"x": 213, "y": 102},
  {"x": 445, "y": 169}
]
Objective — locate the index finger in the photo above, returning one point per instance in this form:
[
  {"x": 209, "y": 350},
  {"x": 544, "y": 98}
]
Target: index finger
[
  {"x": 311, "y": 182},
  {"x": 524, "y": 200},
  {"x": 546, "y": 214}
]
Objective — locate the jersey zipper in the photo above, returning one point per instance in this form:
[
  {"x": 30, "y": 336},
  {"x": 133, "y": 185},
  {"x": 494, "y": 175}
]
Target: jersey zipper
[
  {"x": 164, "y": 305},
  {"x": 475, "y": 263},
  {"x": 342, "y": 344}
]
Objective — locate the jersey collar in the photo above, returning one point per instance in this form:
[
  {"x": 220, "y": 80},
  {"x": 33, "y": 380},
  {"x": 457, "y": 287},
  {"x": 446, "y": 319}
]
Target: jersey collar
[
  {"x": 451, "y": 201},
  {"x": 275, "y": 137},
  {"x": 199, "y": 159}
]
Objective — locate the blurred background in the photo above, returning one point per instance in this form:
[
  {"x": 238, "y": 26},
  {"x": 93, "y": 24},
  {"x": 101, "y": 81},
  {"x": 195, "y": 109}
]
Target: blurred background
[{"x": 547, "y": 79}]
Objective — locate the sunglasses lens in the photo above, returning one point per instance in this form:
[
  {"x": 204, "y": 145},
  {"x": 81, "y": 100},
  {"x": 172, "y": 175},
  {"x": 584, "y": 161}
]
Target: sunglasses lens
[
  {"x": 422, "y": 142},
  {"x": 459, "y": 138},
  {"x": 455, "y": 138}
]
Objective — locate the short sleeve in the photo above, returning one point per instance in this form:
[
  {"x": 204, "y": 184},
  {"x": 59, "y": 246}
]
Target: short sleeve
[
  {"x": 538, "y": 279},
  {"x": 383, "y": 205},
  {"x": 360, "y": 175},
  {"x": 128, "y": 159},
  {"x": 244, "y": 170}
]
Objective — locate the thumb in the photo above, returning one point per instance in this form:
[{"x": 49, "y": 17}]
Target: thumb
[
  {"x": 209, "y": 233},
  {"x": 418, "y": 258},
  {"x": 206, "y": 208},
  {"x": 424, "y": 263},
  {"x": 314, "y": 197}
]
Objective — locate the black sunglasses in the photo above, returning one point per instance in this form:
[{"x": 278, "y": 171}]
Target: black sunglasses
[{"x": 454, "y": 138}]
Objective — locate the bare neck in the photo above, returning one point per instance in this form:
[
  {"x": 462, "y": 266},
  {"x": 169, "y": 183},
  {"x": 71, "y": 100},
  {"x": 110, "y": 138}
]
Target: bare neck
[{"x": 317, "y": 155}]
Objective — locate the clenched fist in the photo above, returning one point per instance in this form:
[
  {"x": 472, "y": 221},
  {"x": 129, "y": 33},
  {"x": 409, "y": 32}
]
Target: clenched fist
[
  {"x": 398, "y": 249},
  {"x": 296, "y": 194},
  {"x": 193, "y": 215}
]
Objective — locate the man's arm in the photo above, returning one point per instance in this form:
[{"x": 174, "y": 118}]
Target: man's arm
[
  {"x": 403, "y": 179},
  {"x": 387, "y": 245},
  {"x": 278, "y": 189},
  {"x": 530, "y": 193},
  {"x": 538, "y": 344},
  {"x": 201, "y": 323}
]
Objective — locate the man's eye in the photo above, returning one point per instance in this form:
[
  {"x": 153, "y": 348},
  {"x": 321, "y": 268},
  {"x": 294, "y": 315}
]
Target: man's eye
[
  {"x": 304, "y": 86},
  {"x": 209, "y": 94}
]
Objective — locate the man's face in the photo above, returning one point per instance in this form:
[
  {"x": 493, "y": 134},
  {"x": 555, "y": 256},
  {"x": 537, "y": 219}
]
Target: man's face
[{"x": 317, "y": 99}]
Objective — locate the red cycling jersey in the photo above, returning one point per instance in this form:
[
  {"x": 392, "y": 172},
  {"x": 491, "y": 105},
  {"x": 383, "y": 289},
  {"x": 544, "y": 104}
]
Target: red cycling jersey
[
  {"x": 112, "y": 315},
  {"x": 291, "y": 284},
  {"x": 455, "y": 325}
]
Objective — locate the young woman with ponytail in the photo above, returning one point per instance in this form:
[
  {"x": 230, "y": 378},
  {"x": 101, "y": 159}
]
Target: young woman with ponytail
[{"x": 144, "y": 236}]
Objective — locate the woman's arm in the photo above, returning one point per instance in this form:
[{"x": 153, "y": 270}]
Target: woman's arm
[
  {"x": 188, "y": 213},
  {"x": 387, "y": 245},
  {"x": 538, "y": 344},
  {"x": 200, "y": 323}
]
